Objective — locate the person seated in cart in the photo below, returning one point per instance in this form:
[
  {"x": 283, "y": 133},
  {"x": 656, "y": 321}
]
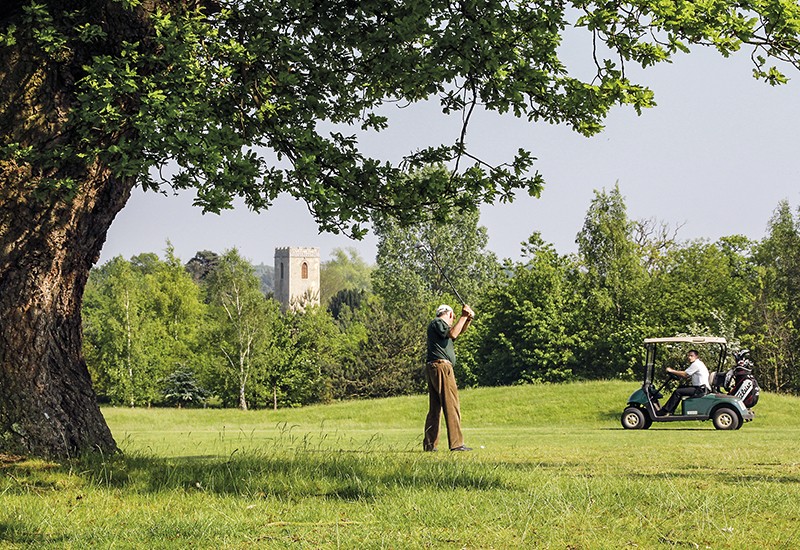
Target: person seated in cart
[{"x": 699, "y": 386}]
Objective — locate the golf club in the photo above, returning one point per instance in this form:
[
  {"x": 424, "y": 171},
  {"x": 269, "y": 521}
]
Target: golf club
[{"x": 446, "y": 278}]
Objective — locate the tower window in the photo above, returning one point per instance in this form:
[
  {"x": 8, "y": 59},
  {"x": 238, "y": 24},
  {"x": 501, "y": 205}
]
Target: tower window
[
  {"x": 304, "y": 271},
  {"x": 281, "y": 270}
]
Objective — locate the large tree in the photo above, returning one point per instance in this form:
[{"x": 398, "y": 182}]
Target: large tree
[
  {"x": 521, "y": 334},
  {"x": 255, "y": 98},
  {"x": 775, "y": 316},
  {"x": 243, "y": 321},
  {"x": 611, "y": 283},
  {"x": 345, "y": 270},
  {"x": 416, "y": 264},
  {"x": 142, "y": 321}
]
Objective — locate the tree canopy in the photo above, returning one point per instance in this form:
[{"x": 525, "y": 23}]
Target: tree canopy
[{"x": 253, "y": 99}]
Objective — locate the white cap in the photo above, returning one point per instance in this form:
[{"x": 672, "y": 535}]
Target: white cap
[{"x": 442, "y": 309}]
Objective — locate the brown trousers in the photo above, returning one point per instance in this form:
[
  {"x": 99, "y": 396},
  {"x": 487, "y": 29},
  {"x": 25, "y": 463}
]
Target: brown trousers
[{"x": 442, "y": 396}]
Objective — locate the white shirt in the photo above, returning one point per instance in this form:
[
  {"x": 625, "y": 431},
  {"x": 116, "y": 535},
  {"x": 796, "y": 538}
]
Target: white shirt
[{"x": 699, "y": 373}]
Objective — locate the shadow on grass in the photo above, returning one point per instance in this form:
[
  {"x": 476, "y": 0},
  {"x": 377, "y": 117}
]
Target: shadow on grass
[
  {"x": 284, "y": 474},
  {"x": 732, "y": 478},
  {"x": 15, "y": 532},
  {"x": 691, "y": 424}
]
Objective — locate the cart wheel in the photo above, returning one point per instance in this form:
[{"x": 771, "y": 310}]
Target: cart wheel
[
  {"x": 633, "y": 419},
  {"x": 725, "y": 419}
]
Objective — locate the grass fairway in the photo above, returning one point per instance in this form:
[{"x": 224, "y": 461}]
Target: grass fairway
[{"x": 552, "y": 468}]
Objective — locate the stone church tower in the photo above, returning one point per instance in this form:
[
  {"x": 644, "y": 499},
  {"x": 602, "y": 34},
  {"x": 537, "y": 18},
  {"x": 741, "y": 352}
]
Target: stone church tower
[{"x": 297, "y": 276}]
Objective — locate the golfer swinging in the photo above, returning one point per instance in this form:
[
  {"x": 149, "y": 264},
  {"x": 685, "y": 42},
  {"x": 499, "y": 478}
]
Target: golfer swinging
[{"x": 442, "y": 389}]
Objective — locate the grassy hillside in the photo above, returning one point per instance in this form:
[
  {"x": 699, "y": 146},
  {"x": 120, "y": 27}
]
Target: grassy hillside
[
  {"x": 396, "y": 424},
  {"x": 389, "y": 424},
  {"x": 552, "y": 468}
]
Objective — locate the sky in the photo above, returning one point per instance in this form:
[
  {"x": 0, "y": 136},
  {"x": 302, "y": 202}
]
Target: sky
[{"x": 715, "y": 156}]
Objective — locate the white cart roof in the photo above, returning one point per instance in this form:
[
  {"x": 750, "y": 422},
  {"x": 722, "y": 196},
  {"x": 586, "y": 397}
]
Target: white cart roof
[{"x": 687, "y": 340}]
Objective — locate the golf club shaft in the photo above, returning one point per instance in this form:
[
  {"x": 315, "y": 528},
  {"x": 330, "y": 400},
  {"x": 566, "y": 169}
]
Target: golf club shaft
[{"x": 446, "y": 278}]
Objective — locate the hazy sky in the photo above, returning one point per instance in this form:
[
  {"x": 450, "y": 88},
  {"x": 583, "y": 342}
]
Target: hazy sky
[{"x": 717, "y": 154}]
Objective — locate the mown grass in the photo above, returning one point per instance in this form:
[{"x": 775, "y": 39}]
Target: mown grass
[{"x": 552, "y": 468}]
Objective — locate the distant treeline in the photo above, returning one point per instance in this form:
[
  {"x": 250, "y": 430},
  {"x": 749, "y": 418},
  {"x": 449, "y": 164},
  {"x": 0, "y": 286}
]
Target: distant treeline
[{"x": 208, "y": 332}]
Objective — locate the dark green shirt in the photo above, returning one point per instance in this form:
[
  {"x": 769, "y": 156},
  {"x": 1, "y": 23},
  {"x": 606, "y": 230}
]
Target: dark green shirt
[{"x": 440, "y": 345}]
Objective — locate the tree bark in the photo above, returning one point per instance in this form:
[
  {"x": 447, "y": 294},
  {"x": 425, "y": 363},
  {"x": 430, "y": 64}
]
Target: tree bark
[
  {"x": 47, "y": 404},
  {"x": 49, "y": 240}
]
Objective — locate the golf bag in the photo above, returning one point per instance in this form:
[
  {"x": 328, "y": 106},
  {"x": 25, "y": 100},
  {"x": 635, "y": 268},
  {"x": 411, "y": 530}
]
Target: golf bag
[{"x": 740, "y": 382}]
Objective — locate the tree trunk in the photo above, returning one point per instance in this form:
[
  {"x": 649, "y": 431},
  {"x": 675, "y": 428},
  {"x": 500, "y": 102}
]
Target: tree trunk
[
  {"x": 47, "y": 405},
  {"x": 49, "y": 239},
  {"x": 242, "y": 398}
]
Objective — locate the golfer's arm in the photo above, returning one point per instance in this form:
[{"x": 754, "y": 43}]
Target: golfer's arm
[{"x": 459, "y": 327}]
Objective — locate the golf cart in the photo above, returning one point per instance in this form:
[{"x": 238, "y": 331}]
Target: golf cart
[{"x": 727, "y": 411}]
